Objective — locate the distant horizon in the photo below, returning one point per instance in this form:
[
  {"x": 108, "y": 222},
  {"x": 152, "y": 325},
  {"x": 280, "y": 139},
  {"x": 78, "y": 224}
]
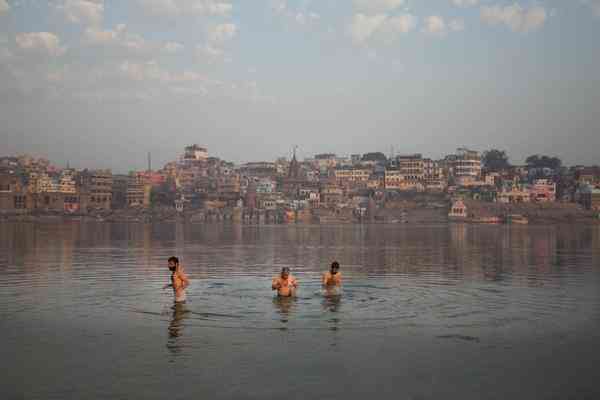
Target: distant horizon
[{"x": 156, "y": 166}]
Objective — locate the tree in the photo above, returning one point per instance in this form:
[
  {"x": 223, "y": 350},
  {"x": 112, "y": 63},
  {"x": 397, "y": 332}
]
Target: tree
[
  {"x": 537, "y": 161},
  {"x": 495, "y": 160},
  {"x": 376, "y": 156}
]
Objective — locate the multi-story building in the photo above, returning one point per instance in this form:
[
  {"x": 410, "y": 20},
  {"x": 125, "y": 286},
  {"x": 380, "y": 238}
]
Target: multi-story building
[
  {"x": 352, "y": 176},
  {"x": 228, "y": 188},
  {"x": 465, "y": 167},
  {"x": 99, "y": 185},
  {"x": 194, "y": 154},
  {"x": 13, "y": 195},
  {"x": 331, "y": 195},
  {"x": 138, "y": 191},
  {"x": 119, "y": 191},
  {"x": 40, "y": 182},
  {"x": 433, "y": 175},
  {"x": 514, "y": 194},
  {"x": 543, "y": 190},
  {"x": 266, "y": 185},
  {"x": 411, "y": 166},
  {"x": 393, "y": 179},
  {"x": 589, "y": 197},
  {"x": 67, "y": 183},
  {"x": 324, "y": 162},
  {"x": 261, "y": 169},
  {"x": 588, "y": 175}
]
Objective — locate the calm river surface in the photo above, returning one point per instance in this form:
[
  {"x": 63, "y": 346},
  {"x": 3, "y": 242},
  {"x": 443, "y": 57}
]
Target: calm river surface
[{"x": 427, "y": 311}]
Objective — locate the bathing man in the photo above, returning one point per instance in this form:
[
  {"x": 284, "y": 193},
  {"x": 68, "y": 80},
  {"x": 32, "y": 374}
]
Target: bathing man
[
  {"x": 179, "y": 280},
  {"x": 332, "y": 278},
  {"x": 285, "y": 284}
]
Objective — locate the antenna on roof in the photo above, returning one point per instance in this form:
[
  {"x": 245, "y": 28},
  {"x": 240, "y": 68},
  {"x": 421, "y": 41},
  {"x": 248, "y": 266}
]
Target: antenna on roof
[{"x": 149, "y": 162}]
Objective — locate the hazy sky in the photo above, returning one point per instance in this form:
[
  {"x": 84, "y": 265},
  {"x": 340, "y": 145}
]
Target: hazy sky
[{"x": 101, "y": 83}]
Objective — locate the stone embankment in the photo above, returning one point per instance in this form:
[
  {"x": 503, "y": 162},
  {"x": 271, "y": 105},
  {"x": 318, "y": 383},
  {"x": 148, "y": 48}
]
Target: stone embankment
[
  {"x": 397, "y": 212},
  {"x": 536, "y": 213}
]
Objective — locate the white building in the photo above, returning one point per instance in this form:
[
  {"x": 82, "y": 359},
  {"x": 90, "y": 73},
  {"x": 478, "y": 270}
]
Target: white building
[{"x": 466, "y": 167}]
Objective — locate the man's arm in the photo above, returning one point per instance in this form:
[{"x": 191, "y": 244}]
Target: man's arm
[
  {"x": 324, "y": 279},
  {"x": 294, "y": 283},
  {"x": 184, "y": 280},
  {"x": 276, "y": 285}
]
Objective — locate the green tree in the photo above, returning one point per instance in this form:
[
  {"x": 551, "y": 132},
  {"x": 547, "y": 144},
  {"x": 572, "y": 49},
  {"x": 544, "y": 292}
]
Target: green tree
[
  {"x": 495, "y": 160},
  {"x": 375, "y": 156},
  {"x": 541, "y": 161}
]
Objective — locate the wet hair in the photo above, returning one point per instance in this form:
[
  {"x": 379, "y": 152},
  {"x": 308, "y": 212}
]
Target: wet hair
[
  {"x": 285, "y": 269},
  {"x": 335, "y": 265},
  {"x": 174, "y": 259}
]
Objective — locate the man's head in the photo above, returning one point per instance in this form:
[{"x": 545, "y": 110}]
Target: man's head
[
  {"x": 285, "y": 272},
  {"x": 335, "y": 267},
  {"x": 173, "y": 263}
]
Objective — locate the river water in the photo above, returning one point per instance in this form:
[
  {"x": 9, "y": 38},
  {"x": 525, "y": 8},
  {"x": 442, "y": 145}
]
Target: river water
[{"x": 426, "y": 312}]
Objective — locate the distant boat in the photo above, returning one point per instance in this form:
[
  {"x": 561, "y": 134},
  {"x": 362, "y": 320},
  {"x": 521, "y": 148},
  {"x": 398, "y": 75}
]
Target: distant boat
[{"x": 517, "y": 219}]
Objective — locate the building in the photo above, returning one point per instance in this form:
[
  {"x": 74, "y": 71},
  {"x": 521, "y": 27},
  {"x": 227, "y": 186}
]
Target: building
[
  {"x": 119, "y": 191},
  {"x": 67, "y": 183},
  {"x": 259, "y": 169},
  {"x": 514, "y": 194},
  {"x": 352, "y": 176},
  {"x": 13, "y": 194},
  {"x": 41, "y": 182},
  {"x": 331, "y": 195},
  {"x": 326, "y": 161},
  {"x": 434, "y": 177},
  {"x": 543, "y": 190},
  {"x": 588, "y": 175},
  {"x": 412, "y": 167},
  {"x": 99, "y": 184},
  {"x": 458, "y": 210},
  {"x": 194, "y": 154},
  {"x": 465, "y": 167},
  {"x": 138, "y": 191},
  {"x": 396, "y": 179},
  {"x": 228, "y": 189},
  {"x": 266, "y": 185},
  {"x": 393, "y": 179},
  {"x": 589, "y": 197}
]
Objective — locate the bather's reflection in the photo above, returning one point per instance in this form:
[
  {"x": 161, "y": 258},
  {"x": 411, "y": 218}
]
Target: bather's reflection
[
  {"x": 180, "y": 313},
  {"x": 332, "y": 299},
  {"x": 284, "y": 306}
]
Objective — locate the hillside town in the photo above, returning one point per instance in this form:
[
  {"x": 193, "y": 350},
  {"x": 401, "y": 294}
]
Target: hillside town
[{"x": 372, "y": 187}]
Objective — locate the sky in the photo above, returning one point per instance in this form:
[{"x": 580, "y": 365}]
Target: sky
[{"x": 100, "y": 83}]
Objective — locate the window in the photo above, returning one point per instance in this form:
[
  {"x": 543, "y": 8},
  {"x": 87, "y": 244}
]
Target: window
[{"x": 19, "y": 202}]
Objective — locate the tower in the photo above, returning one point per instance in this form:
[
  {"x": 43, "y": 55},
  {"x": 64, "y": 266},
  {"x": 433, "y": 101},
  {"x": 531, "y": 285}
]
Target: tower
[{"x": 294, "y": 171}]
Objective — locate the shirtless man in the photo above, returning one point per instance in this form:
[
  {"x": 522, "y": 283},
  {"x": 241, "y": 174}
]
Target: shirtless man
[
  {"x": 179, "y": 280},
  {"x": 285, "y": 284},
  {"x": 332, "y": 278}
]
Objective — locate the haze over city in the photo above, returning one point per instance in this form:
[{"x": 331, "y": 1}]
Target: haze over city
[{"x": 101, "y": 83}]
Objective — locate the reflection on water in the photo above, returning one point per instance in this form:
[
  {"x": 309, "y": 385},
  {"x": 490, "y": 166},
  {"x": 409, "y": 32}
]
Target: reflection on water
[
  {"x": 176, "y": 324},
  {"x": 284, "y": 306},
  {"x": 332, "y": 299},
  {"x": 424, "y": 308}
]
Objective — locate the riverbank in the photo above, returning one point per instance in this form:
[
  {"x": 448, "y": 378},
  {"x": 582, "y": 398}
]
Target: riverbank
[{"x": 412, "y": 213}]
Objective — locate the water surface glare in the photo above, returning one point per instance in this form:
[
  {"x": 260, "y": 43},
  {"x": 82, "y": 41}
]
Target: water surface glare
[{"x": 426, "y": 311}]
